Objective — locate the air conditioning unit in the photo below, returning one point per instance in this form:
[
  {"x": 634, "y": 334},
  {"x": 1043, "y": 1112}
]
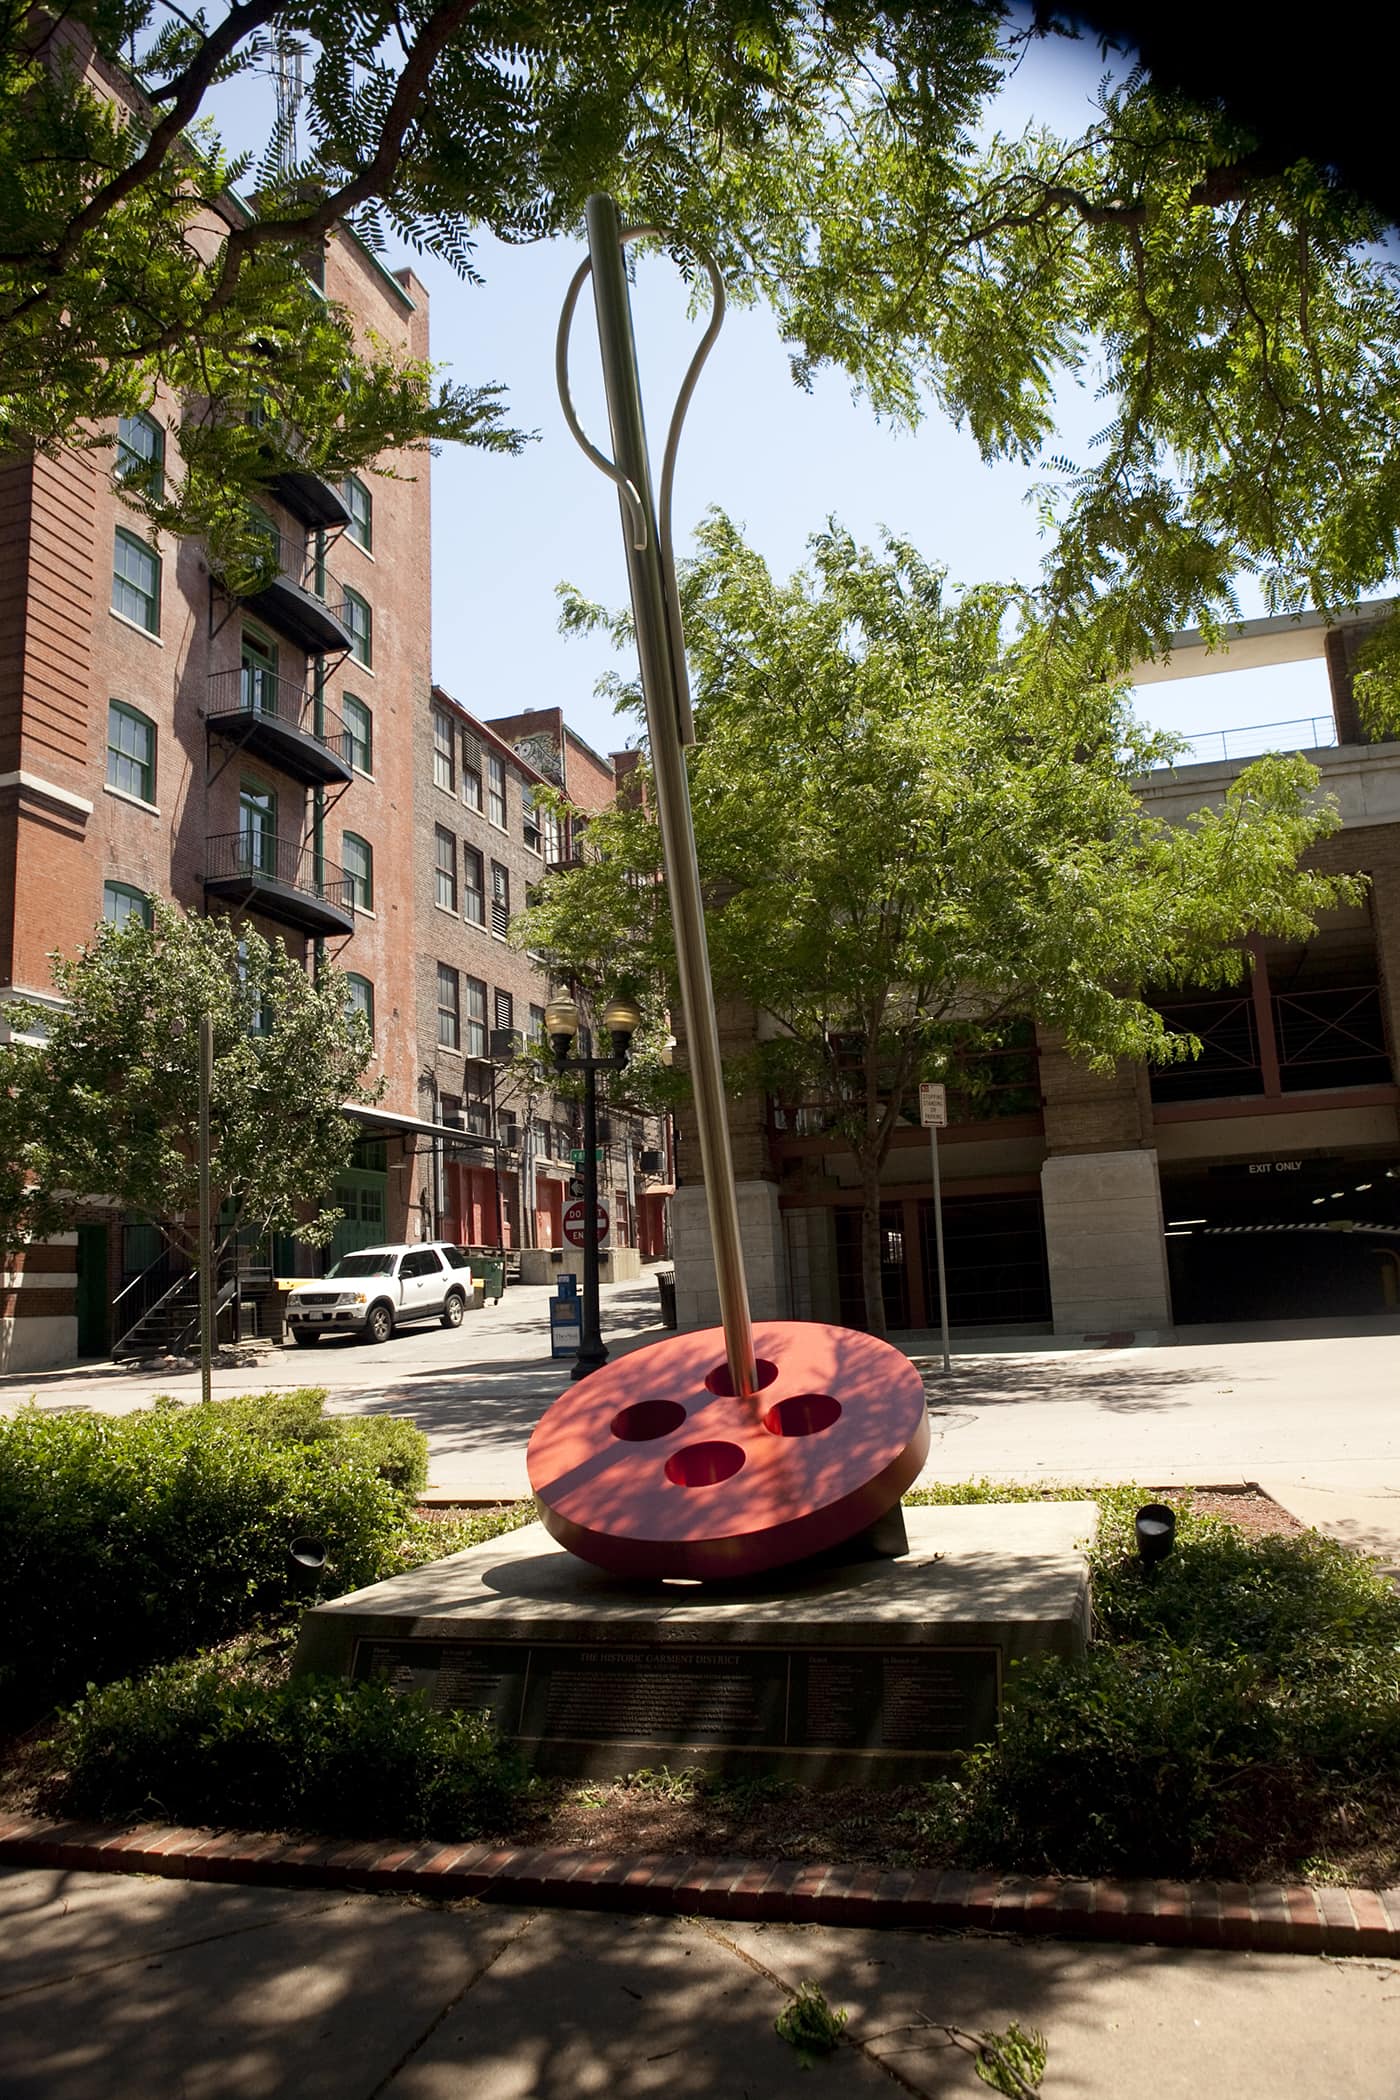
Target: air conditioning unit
[
  {"x": 650, "y": 1162},
  {"x": 506, "y": 1043},
  {"x": 453, "y": 1119}
]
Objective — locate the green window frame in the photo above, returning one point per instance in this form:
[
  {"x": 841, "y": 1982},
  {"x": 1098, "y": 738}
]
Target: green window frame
[
  {"x": 136, "y": 581},
  {"x": 257, "y": 827},
  {"x": 360, "y": 504},
  {"x": 357, "y": 858},
  {"x": 141, "y": 454},
  {"x": 359, "y": 998},
  {"x": 131, "y": 751},
  {"x": 258, "y": 683},
  {"x": 122, "y": 901},
  {"x": 445, "y": 854},
  {"x": 449, "y": 1008},
  {"x": 359, "y": 729},
  {"x": 359, "y": 619}
]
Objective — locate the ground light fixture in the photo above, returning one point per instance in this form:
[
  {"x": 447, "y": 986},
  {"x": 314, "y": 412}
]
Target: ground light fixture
[
  {"x": 306, "y": 1557},
  {"x": 1155, "y": 1530}
]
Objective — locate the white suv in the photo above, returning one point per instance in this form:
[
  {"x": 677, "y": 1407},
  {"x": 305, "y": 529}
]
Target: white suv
[{"x": 377, "y": 1289}]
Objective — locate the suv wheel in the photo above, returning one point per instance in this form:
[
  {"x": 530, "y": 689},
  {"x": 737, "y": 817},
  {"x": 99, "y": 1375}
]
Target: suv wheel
[
  {"x": 380, "y": 1324},
  {"x": 453, "y": 1310},
  {"x": 304, "y": 1340}
]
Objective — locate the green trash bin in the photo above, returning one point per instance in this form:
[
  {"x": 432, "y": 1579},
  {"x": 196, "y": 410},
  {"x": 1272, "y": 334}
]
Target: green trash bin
[{"x": 490, "y": 1274}]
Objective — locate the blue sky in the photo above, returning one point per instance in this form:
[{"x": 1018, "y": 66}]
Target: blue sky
[{"x": 780, "y": 461}]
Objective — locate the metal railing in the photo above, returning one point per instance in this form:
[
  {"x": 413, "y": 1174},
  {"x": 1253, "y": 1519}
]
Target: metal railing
[
  {"x": 251, "y": 690},
  {"x": 1253, "y": 739},
  {"x": 262, "y": 854},
  {"x": 160, "y": 1280},
  {"x": 296, "y": 560}
]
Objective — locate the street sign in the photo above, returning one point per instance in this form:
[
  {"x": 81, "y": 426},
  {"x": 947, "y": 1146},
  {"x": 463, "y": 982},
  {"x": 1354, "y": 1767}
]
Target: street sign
[
  {"x": 576, "y": 1224},
  {"x": 576, "y": 1187},
  {"x": 933, "y": 1105},
  {"x": 576, "y": 1155}
]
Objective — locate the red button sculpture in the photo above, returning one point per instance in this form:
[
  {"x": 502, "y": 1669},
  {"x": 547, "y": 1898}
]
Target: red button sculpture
[{"x": 653, "y": 1466}]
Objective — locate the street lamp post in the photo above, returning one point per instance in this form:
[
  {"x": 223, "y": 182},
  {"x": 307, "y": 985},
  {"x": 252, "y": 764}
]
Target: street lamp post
[{"x": 561, "y": 1023}]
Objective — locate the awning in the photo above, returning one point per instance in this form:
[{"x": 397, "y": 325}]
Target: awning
[{"x": 414, "y": 1126}]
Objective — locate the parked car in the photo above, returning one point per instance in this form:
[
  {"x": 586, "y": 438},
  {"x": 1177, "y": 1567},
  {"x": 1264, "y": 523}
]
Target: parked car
[{"x": 377, "y": 1289}]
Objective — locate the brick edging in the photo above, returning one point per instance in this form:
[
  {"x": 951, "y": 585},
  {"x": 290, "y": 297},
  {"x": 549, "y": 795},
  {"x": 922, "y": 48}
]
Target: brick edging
[{"x": 1262, "y": 1918}]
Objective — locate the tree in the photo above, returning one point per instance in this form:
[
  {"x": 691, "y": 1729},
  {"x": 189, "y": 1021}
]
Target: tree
[
  {"x": 1230, "y": 302},
  {"x": 916, "y": 822},
  {"x": 99, "y": 1098}
]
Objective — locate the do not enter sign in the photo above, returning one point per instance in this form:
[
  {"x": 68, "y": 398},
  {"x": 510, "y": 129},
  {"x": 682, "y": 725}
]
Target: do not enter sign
[{"x": 576, "y": 1224}]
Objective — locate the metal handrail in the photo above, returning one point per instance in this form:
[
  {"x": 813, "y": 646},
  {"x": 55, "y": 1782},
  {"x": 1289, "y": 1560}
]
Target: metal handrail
[
  {"x": 296, "y": 560},
  {"x": 250, "y": 690},
  {"x": 183, "y": 1281},
  {"x": 284, "y": 861},
  {"x": 1321, "y": 736}
]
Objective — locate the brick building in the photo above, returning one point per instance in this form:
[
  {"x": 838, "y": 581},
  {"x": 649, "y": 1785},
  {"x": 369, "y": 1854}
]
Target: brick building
[
  {"x": 160, "y": 738},
  {"x": 500, "y": 1165},
  {"x": 1260, "y": 1181}
]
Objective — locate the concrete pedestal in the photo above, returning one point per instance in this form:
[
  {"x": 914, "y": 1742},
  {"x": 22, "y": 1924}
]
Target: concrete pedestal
[{"x": 877, "y": 1672}]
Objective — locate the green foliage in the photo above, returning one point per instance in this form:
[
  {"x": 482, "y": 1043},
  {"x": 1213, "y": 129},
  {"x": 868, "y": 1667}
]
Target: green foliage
[
  {"x": 916, "y": 821},
  {"x": 810, "y": 2025},
  {"x": 1014, "y": 2062},
  {"x": 194, "y": 1745},
  {"x": 849, "y": 165},
  {"x": 130, "y": 1538},
  {"x": 108, "y": 1099},
  {"x": 945, "y": 1493},
  {"x": 1233, "y": 1701},
  {"x": 1376, "y": 678}
]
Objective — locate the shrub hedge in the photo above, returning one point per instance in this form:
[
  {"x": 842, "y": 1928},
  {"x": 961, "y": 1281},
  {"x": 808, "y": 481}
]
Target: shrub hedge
[
  {"x": 1231, "y": 1705},
  {"x": 127, "y": 1539},
  {"x": 191, "y": 1744}
]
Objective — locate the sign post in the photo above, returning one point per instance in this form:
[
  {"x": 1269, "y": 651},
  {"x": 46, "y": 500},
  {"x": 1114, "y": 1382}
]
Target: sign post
[{"x": 933, "y": 1114}]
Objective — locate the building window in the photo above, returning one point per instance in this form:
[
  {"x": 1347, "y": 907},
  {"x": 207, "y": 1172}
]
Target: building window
[
  {"x": 500, "y": 900},
  {"x": 357, "y": 856},
  {"x": 473, "y": 887},
  {"x": 537, "y": 1026},
  {"x": 257, "y": 686},
  {"x": 359, "y": 733},
  {"x": 446, "y": 847},
  {"x": 496, "y": 790},
  {"x": 141, "y": 454},
  {"x": 476, "y": 1017},
  {"x": 360, "y": 621},
  {"x": 444, "y": 754},
  {"x": 530, "y": 818},
  {"x": 131, "y": 752},
  {"x": 360, "y": 504},
  {"x": 257, "y": 828},
  {"x": 505, "y": 1010},
  {"x": 449, "y": 1008},
  {"x": 359, "y": 999},
  {"x": 478, "y": 1119},
  {"x": 136, "y": 581},
  {"x": 550, "y": 844},
  {"x": 542, "y": 1135},
  {"x": 121, "y": 902},
  {"x": 471, "y": 785}
]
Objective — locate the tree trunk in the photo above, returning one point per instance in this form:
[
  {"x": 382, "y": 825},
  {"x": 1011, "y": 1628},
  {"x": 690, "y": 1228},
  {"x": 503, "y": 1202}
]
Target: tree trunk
[{"x": 871, "y": 1247}]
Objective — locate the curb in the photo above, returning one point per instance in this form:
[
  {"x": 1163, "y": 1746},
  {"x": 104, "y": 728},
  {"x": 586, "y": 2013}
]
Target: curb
[{"x": 1262, "y": 1919}]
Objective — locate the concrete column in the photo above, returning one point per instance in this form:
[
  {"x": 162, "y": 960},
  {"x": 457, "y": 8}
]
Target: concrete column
[
  {"x": 811, "y": 1249},
  {"x": 765, "y": 1260},
  {"x": 1103, "y": 1237}
]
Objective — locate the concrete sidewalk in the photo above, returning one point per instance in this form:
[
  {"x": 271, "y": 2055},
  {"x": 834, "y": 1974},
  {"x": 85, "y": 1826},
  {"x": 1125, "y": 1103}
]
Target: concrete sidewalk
[
  {"x": 1306, "y": 1408},
  {"x": 115, "y": 1986}
]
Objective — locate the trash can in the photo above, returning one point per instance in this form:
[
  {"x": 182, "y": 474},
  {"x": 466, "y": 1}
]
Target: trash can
[
  {"x": 666, "y": 1286},
  {"x": 490, "y": 1273}
]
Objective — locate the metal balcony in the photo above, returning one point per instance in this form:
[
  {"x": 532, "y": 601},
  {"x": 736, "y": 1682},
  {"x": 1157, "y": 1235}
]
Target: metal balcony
[
  {"x": 282, "y": 879},
  {"x": 301, "y": 599},
  {"x": 311, "y": 498},
  {"x": 276, "y": 719}
]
